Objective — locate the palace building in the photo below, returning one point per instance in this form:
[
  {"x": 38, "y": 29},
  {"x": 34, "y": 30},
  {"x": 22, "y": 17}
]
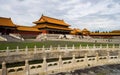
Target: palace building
[
  {"x": 47, "y": 25},
  {"x": 111, "y": 34},
  {"x": 85, "y": 32},
  {"x": 76, "y": 31},
  {"x": 28, "y": 32},
  {"x": 7, "y": 26},
  {"x": 52, "y": 25}
]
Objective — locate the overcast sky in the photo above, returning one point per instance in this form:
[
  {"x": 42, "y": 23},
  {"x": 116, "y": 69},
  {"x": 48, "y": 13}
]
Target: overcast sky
[{"x": 91, "y": 14}]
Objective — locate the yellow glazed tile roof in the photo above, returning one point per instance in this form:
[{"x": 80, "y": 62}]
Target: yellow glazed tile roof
[
  {"x": 53, "y": 27},
  {"x": 6, "y": 22},
  {"x": 51, "y": 20},
  {"x": 24, "y": 28},
  {"x": 115, "y": 31},
  {"x": 75, "y": 30},
  {"x": 84, "y": 30},
  {"x": 104, "y": 33}
]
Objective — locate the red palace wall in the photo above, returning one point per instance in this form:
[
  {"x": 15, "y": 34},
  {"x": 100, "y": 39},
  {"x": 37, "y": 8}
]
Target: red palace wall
[{"x": 28, "y": 34}]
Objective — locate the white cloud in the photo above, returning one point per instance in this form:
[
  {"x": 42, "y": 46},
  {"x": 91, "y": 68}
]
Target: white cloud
[{"x": 91, "y": 14}]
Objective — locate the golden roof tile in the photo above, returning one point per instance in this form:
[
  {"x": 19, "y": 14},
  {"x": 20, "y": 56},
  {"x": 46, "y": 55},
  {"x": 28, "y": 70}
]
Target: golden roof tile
[
  {"x": 115, "y": 31},
  {"x": 75, "y": 30},
  {"x": 105, "y": 33},
  {"x": 84, "y": 30},
  {"x": 51, "y": 20},
  {"x": 6, "y": 22},
  {"x": 53, "y": 27},
  {"x": 24, "y": 28}
]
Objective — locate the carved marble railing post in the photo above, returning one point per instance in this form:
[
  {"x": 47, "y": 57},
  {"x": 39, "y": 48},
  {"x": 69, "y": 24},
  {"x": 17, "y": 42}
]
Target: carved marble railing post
[
  {"x": 60, "y": 63},
  {"x": 43, "y": 48},
  {"x": 80, "y": 47},
  {"x": 118, "y": 54},
  {"x": 44, "y": 66},
  {"x": 66, "y": 48},
  {"x": 108, "y": 56},
  {"x": 73, "y": 47},
  {"x": 27, "y": 69},
  {"x": 43, "y": 51},
  {"x": 113, "y": 46},
  {"x": 26, "y": 50},
  {"x": 107, "y": 47},
  {"x": 97, "y": 57},
  {"x": 58, "y": 48},
  {"x": 4, "y": 69},
  {"x": 119, "y": 46},
  {"x": 73, "y": 61},
  {"x": 51, "y": 48},
  {"x": 100, "y": 46},
  {"x": 87, "y": 47},
  {"x": 17, "y": 49},
  {"x": 94, "y": 46},
  {"x": 7, "y": 51},
  {"x": 35, "y": 49},
  {"x": 86, "y": 60}
]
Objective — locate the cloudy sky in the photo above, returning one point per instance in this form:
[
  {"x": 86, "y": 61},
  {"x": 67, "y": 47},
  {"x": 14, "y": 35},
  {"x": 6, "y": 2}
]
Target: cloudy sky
[{"x": 92, "y": 14}]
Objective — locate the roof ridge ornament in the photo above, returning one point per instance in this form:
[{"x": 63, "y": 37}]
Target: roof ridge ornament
[{"x": 42, "y": 15}]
